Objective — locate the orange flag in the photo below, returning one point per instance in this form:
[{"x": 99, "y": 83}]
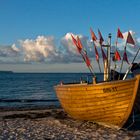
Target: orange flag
[
  {"x": 125, "y": 57},
  {"x": 119, "y": 34},
  {"x": 100, "y": 37},
  {"x": 94, "y": 38},
  {"x": 130, "y": 39}
]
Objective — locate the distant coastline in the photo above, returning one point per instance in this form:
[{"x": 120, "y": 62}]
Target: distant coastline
[{"x": 6, "y": 72}]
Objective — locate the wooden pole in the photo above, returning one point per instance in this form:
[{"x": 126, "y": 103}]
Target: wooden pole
[
  {"x": 105, "y": 70},
  {"x": 115, "y": 60},
  {"x": 107, "y": 62},
  {"x": 108, "y": 56},
  {"x": 99, "y": 66},
  {"x": 122, "y": 61}
]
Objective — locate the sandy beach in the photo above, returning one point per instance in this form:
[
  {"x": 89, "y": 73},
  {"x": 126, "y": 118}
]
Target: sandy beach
[{"x": 55, "y": 124}]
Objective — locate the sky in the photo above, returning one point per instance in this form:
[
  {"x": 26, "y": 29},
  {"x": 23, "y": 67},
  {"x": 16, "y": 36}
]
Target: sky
[{"x": 35, "y": 35}]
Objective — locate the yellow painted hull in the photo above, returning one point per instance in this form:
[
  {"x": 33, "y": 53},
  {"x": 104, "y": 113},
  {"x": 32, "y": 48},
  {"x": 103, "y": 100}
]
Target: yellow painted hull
[{"x": 109, "y": 103}]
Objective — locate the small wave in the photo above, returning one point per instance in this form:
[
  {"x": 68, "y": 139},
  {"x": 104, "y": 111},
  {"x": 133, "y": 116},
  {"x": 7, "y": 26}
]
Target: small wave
[{"x": 27, "y": 100}]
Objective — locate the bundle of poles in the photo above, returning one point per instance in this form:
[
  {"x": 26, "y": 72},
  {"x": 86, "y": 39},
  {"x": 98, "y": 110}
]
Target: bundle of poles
[{"x": 116, "y": 56}]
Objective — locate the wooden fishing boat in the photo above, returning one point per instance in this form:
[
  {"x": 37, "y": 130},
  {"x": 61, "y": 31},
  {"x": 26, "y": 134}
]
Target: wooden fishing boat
[{"x": 108, "y": 103}]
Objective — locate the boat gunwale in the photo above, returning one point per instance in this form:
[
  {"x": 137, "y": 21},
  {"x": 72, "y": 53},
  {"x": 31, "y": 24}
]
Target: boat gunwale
[{"x": 96, "y": 84}]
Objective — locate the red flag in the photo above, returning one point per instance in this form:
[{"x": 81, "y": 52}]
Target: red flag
[
  {"x": 103, "y": 54},
  {"x": 76, "y": 44},
  {"x": 94, "y": 38},
  {"x": 130, "y": 39},
  {"x": 80, "y": 46},
  {"x": 117, "y": 56},
  {"x": 96, "y": 53},
  {"x": 100, "y": 37},
  {"x": 74, "y": 40},
  {"x": 125, "y": 57},
  {"x": 119, "y": 34},
  {"x": 86, "y": 59}
]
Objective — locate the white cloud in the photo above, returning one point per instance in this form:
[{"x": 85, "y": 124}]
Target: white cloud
[
  {"x": 39, "y": 49},
  {"x": 15, "y": 48},
  {"x": 70, "y": 51},
  {"x": 9, "y": 51},
  {"x": 68, "y": 44},
  {"x": 125, "y": 34},
  {"x": 46, "y": 49},
  {"x": 131, "y": 49},
  {"x": 122, "y": 42}
]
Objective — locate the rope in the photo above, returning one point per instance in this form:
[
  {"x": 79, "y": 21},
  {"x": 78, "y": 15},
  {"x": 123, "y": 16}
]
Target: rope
[{"x": 133, "y": 120}]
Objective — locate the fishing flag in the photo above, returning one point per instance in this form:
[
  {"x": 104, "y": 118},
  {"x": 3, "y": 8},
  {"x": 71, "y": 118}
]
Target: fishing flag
[
  {"x": 87, "y": 60},
  {"x": 80, "y": 46},
  {"x": 119, "y": 34},
  {"x": 130, "y": 39},
  {"x": 74, "y": 40},
  {"x": 103, "y": 54},
  {"x": 125, "y": 57},
  {"x": 94, "y": 38},
  {"x": 117, "y": 56},
  {"x": 76, "y": 44},
  {"x": 100, "y": 37},
  {"x": 96, "y": 53}
]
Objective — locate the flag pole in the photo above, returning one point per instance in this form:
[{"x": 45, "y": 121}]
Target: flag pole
[
  {"x": 108, "y": 55},
  {"x": 89, "y": 67},
  {"x": 129, "y": 68},
  {"x": 79, "y": 46},
  {"x": 114, "y": 59},
  {"x": 115, "y": 51},
  {"x": 122, "y": 61},
  {"x": 128, "y": 40},
  {"x": 106, "y": 61},
  {"x": 99, "y": 66},
  {"x": 94, "y": 38},
  {"x": 98, "y": 61}
]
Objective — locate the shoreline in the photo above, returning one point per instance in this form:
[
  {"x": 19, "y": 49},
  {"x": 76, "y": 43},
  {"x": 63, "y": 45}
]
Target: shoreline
[
  {"x": 53, "y": 123},
  {"x": 24, "y": 108}
]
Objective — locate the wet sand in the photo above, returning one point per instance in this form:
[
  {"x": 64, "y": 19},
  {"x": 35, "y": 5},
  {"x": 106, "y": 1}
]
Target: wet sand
[{"x": 55, "y": 124}]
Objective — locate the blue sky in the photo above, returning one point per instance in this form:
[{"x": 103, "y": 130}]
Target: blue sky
[{"x": 28, "y": 19}]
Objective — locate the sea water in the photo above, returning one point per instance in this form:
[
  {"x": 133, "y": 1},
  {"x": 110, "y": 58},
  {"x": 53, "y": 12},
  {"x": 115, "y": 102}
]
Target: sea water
[{"x": 34, "y": 89}]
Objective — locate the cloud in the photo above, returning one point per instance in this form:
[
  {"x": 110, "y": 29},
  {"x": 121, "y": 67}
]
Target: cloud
[
  {"x": 131, "y": 49},
  {"x": 9, "y": 51},
  {"x": 39, "y": 49},
  {"x": 70, "y": 51},
  {"x": 68, "y": 44},
  {"x": 46, "y": 49}
]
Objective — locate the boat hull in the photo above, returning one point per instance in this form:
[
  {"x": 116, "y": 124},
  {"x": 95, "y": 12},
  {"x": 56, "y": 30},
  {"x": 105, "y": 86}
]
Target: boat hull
[{"x": 108, "y": 103}]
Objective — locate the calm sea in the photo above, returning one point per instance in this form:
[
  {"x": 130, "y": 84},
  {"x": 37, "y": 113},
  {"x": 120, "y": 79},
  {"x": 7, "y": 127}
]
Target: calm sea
[
  {"x": 24, "y": 90},
  {"x": 34, "y": 89}
]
